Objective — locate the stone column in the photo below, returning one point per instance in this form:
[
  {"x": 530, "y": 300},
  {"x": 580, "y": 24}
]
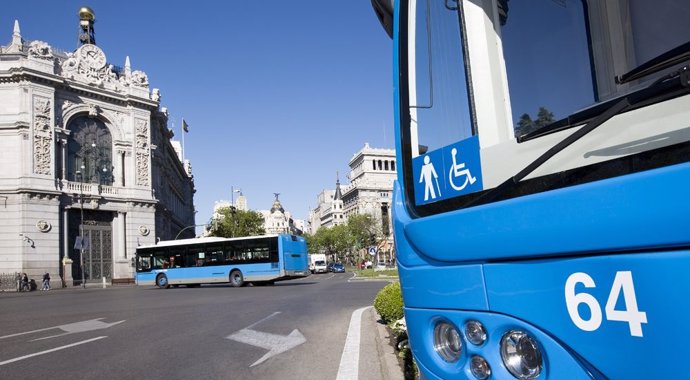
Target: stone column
[
  {"x": 63, "y": 152},
  {"x": 67, "y": 267}
]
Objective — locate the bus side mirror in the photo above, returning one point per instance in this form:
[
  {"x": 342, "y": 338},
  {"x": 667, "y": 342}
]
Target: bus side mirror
[{"x": 384, "y": 12}]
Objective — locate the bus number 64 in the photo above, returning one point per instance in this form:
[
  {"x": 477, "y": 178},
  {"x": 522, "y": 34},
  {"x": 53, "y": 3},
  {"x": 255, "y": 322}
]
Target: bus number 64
[{"x": 622, "y": 283}]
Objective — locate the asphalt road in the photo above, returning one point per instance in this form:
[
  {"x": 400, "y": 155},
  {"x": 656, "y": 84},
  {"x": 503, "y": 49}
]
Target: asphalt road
[{"x": 293, "y": 330}]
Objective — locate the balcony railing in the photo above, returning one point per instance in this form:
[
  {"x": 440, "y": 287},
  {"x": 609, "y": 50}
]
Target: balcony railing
[{"x": 91, "y": 188}]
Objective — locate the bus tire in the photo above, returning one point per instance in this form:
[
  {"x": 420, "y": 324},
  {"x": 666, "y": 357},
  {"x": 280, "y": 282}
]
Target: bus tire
[
  {"x": 162, "y": 281},
  {"x": 236, "y": 278}
]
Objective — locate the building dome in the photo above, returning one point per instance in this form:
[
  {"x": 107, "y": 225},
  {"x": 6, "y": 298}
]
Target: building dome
[{"x": 276, "y": 205}]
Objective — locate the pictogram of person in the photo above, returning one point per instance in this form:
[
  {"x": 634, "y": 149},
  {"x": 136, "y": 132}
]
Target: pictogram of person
[{"x": 429, "y": 176}]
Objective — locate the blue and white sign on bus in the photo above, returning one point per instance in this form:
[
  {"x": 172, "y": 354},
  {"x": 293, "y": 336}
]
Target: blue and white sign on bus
[{"x": 448, "y": 172}]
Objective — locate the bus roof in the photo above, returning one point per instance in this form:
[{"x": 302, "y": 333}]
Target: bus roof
[{"x": 202, "y": 240}]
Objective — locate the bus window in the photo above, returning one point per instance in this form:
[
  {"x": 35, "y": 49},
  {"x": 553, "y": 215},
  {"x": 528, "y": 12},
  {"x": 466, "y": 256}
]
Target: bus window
[
  {"x": 556, "y": 66},
  {"x": 197, "y": 256},
  {"x": 438, "y": 94},
  {"x": 144, "y": 263},
  {"x": 547, "y": 61},
  {"x": 160, "y": 262},
  {"x": 216, "y": 254}
]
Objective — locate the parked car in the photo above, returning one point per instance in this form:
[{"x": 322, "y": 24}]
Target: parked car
[
  {"x": 337, "y": 268},
  {"x": 381, "y": 265}
]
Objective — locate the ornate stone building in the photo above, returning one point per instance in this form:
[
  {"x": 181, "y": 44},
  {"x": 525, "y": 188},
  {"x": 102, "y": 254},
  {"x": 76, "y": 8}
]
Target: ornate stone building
[
  {"x": 372, "y": 172},
  {"x": 84, "y": 151},
  {"x": 329, "y": 209},
  {"x": 277, "y": 220}
]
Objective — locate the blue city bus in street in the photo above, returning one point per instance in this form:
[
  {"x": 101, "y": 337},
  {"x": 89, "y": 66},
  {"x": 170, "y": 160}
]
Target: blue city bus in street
[
  {"x": 209, "y": 260},
  {"x": 542, "y": 205}
]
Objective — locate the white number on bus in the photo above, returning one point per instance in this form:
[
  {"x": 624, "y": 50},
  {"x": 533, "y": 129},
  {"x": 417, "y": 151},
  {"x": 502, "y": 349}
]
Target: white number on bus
[{"x": 623, "y": 282}]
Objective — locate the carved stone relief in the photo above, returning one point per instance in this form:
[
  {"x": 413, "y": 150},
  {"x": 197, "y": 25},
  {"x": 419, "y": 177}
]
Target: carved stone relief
[
  {"x": 40, "y": 50},
  {"x": 43, "y": 136},
  {"x": 142, "y": 152},
  {"x": 88, "y": 64}
]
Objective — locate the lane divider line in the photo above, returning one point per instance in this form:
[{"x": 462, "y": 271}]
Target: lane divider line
[
  {"x": 51, "y": 350},
  {"x": 349, "y": 361}
]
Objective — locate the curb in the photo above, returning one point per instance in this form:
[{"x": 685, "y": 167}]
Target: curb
[{"x": 390, "y": 367}]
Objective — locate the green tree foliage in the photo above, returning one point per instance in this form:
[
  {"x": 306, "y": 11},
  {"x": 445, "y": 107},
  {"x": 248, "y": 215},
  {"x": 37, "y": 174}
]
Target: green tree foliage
[
  {"x": 341, "y": 240},
  {"x": 363, "y": 229},
  {"x": 544, "y": 117},
  {"x": 331, "y": 241},
  {"x": 238, "y": 223},
  {"x": 526, "y": 125}
]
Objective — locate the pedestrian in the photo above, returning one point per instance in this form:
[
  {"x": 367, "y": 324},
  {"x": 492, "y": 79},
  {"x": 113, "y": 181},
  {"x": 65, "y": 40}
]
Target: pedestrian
[
  {"x": 24, "y": 283},
  {"x": 46, "y": 281}
]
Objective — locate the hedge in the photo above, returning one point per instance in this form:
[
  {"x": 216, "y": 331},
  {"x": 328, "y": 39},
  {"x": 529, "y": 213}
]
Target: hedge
[{"x": 388, "y": 303}]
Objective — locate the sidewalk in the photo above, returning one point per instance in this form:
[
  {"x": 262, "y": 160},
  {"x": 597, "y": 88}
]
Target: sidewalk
[{"x": 387, "y": 357}]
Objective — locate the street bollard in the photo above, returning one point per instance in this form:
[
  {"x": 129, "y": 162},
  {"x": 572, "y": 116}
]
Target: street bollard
[{"x": 103, "y": 282}]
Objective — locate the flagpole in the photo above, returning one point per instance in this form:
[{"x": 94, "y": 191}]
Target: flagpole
[{"x": 183, "y": 133}]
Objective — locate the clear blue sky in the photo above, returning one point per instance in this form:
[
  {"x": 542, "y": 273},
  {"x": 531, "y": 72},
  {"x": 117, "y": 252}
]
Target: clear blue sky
[{"x": 278, "y": 95}]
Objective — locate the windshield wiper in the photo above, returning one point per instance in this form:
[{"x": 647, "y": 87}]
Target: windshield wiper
[
  {"x": 658, "y": 63},
  {"x": 683, "y": 74}
]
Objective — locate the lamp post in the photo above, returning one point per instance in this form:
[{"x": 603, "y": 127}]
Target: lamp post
[
  {"x": 81, "y": 227},
  {"x": 188, "y": 227},
  {"x": 232, "y": 195},
  {"x": 233, "y": 209}
]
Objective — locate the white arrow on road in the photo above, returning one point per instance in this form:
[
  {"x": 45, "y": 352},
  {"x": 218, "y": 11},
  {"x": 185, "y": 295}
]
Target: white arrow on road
[
  {"x": 71, "y": 328},
  {"x": 274, "y": 343}
]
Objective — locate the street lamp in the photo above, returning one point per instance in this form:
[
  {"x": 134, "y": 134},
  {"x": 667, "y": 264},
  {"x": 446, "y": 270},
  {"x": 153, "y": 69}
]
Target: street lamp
[
  {"x": 232, "y": 195},
  {"x": 81, "y": 227}
]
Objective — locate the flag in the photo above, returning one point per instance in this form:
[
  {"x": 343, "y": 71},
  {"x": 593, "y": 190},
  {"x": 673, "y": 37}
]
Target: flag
[{"x": 185, "y": 127}]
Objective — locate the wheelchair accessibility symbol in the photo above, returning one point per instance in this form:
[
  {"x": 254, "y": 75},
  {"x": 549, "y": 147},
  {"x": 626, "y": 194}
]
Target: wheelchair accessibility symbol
[
  {"x": 451, "y": 171},
  {"x": 458, "y": 175}
]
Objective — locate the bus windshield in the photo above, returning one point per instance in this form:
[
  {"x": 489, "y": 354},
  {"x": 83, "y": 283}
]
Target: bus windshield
[{"x": 548, "y": 65}]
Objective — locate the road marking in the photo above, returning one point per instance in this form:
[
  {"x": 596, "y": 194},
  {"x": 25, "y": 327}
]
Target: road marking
[
  {"x": 274, "y": 343},
  {"x": 51, "y": 350},
  {"x": 70, "y": 328},
  {"x": 261, "y": 320},
  {"x": 349, "y": 361}
]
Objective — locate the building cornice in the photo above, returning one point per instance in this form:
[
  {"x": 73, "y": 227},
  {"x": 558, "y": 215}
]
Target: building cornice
[{"x": 19, "y": 74}]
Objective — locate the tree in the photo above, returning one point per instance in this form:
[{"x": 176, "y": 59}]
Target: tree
[
  {"x": 363, "y": 229},
  {"x": 237, "y": 223},
  {"x": 342, "y": 240},
  {"x": 334, "y": 242},
  {"x": 525, "y": 122},
  {"x": 526, "y": 125},
  {"x": 544, "y": 117}
]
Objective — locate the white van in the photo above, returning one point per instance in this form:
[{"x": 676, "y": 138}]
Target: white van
[{"x": 317, "y": 263}]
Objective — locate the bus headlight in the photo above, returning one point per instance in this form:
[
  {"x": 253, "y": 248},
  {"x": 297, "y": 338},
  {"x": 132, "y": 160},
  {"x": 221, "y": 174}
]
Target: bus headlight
[
  {"x": 521, "y": 355},
  {"x": 475, "y": 333},
  {"x": 447, "y": 342},
  {"x": 480, "y": 368}
]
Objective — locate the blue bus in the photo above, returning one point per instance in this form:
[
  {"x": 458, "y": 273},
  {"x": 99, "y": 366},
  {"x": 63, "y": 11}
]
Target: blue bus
[
  {"x": 542, "y": 206},
  {"x": 238, "y": 261}
]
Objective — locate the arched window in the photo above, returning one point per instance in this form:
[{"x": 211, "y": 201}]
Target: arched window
[{"x": 89, "y": 151}]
